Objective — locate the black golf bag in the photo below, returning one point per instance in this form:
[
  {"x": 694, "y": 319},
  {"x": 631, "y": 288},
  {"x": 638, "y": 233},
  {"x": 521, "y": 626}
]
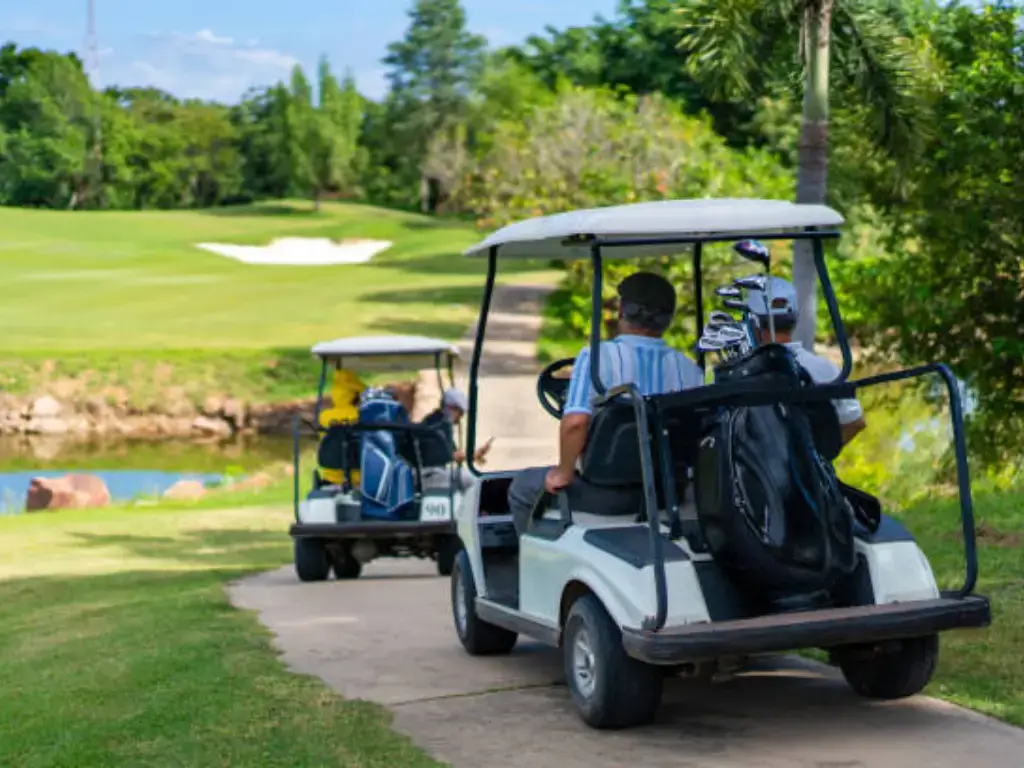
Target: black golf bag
[{"x": 771, "y": 508}]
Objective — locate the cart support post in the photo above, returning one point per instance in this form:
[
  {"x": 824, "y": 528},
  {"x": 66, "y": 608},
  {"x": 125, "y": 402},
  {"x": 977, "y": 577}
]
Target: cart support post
[
  {"x": 474, "y": 365},
  {"x": 320, "y": 391},
  {"x": 295, "y": 464},
  {"x": 833, "y": 307},
  {"x": 596, "y": 309},
  {"x": 698, "y": 296}
]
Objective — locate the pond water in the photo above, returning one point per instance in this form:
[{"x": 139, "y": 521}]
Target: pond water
[
  {"x": 123, "y": 484},
  {"x": 131, "y": 468}
]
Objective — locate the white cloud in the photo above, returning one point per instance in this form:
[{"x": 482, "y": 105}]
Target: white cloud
[
  {"x": 202, "y": 65},
  {"x": 207, "y": 36}
]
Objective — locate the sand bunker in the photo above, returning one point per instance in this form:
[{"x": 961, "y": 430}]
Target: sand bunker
[{"x": 301, "y": 251}]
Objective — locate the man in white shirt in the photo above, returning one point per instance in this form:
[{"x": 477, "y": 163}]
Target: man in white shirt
[{"x": 784, "y": 311}]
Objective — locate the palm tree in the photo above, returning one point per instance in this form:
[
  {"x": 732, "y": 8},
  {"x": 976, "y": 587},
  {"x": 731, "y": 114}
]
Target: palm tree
[{"x": 737, "y": 46}]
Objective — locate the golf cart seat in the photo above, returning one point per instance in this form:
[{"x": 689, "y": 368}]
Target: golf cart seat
[
  {"x": 434, "y": 441},
  {"x": 611, "y": 458}
]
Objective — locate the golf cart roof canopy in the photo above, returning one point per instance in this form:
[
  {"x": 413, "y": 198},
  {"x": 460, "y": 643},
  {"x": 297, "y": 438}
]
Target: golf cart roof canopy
[
  {"x": 408, "y": 352},
  {"x": 571, "y": 234}
]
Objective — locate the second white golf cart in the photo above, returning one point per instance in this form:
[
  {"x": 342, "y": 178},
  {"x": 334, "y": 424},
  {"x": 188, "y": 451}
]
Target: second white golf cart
[
  {"x": 384, "y": 486},
  {"x": 630, "y": 594}
]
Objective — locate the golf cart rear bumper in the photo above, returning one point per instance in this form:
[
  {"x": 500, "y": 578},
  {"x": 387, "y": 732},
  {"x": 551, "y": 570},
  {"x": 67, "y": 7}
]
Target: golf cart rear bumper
[
  {"x": 809, "y": 629},
  {"x": 371, "y": 529}
]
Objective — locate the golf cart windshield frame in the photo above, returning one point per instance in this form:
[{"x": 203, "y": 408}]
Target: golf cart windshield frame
[
  {"x": 443, "y": 360},
  {"x": 645, "y": 407}
]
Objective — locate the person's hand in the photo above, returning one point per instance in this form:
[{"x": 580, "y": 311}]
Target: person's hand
[
  {"x": 556, "y": 480},
  {"x": 483, "y": 450}
]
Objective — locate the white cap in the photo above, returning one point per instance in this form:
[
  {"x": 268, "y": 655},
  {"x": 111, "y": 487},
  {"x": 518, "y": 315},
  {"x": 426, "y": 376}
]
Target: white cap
[
  {"x": 783, "y": 300},
  {"x": 455, "y": 398}
]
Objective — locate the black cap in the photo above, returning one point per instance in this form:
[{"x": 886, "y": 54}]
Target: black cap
[{"x": 650, "y": 291}]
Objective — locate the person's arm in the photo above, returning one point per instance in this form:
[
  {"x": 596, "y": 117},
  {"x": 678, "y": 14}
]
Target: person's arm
[
  {"x": 572, "y": 438},
  {"x": 851, "y": 429},
  {"x": 575, "y": 423}
]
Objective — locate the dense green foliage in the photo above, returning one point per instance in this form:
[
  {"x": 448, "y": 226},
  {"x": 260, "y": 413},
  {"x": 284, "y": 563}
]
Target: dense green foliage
[
  {"x": 954, "y": 284},
  {"x": 668, "y": 98}
]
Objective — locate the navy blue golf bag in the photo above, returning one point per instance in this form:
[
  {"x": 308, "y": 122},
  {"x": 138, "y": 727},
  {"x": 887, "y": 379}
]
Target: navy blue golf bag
[{"x": 386, "y": 479}]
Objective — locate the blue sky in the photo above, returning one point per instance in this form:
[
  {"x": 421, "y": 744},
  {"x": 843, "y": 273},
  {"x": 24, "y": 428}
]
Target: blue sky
[{"x": 202, "y": 48}]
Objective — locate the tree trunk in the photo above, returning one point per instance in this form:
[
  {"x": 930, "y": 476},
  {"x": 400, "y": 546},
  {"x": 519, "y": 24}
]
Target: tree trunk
[{"x": 812, "y": 159}]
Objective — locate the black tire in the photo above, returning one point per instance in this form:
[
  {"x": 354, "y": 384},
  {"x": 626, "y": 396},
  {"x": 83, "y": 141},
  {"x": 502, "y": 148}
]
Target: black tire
[
  {"x": 622, "y": 692},
  {"x": 447, "y": 550},
  {"x": 477, "y": 636},
  {"x": 890, "y": 674},
  {"x": 311, "y": 560},
  {"x": 346, "y": 566}
]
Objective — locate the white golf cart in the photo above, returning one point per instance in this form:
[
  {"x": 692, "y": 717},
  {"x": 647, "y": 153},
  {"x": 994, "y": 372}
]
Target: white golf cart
[
  {"x": 633, "y": 593},
  {"x": 392, "y": 490}
]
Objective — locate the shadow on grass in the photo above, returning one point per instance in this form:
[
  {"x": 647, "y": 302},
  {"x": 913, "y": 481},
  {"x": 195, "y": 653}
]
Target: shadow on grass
[
  {"x": 262, "y": 209},
  {"x": 146, "y": 667},
  {"x": 458, "y": 264},
  {"x": 193, "y": 547},
  {"x": 449, "y": 294},
  {"x": 439, "y": 329}
]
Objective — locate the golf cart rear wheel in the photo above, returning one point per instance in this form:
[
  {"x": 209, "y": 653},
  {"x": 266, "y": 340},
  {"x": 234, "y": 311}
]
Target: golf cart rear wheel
[
  {"x": 346, "y": 566},
  {"x": 890, "y": 673},
  {"x": 447, "y": 550},
  {"x": 311, "y": 560},
  {"x": 609, "y": 688},
  {"x": 477, "y": 636}
]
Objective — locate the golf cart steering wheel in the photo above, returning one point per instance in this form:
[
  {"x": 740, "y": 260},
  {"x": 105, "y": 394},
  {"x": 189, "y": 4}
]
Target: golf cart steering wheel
[{"x": 551, "y": 391}]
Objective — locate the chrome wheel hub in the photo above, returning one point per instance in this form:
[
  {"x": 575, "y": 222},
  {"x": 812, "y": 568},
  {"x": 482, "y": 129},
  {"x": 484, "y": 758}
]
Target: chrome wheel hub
[
  {"x": 583, "y": 665},
  {"x": 460, "y": 605}
]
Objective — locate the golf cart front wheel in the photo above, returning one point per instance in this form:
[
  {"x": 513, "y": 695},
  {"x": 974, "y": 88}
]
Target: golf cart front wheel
[
  {"x": 311, "y": 560},
  {"x": 609, "y": 688},
  {"x": 890, "y": 672},
  {"x": 478, "y": 637}
]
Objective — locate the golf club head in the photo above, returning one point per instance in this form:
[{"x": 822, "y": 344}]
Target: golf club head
[
  {"x": 735, "y": 304},
  {"x": 718, "y": 316},
  {"x": 752, "y": 250},
  {"x": 751, "y": 282},
  {"x": 728, "y": 292},
  {"x": 708, "y": 345}
]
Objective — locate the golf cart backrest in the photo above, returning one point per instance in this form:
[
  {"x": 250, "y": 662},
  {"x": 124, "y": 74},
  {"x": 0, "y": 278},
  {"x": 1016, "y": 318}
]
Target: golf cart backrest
[
  {"x": 611, "y": 457},
  {"x": 339, "y": 449}
]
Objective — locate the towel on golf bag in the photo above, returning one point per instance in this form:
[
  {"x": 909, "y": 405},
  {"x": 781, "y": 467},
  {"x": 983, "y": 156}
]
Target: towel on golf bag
[
  {"x": 386, "y": 480},
  {"x": 772, "y": 510}
]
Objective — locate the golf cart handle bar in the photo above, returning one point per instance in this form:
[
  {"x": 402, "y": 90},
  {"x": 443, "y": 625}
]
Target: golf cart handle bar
[
  {"x": 956, "y": 416},
  {"x": 735, "y": 394}
]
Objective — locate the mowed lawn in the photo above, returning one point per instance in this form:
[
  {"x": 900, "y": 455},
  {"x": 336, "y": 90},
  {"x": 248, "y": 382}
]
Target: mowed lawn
[
  {"x": 118, "y": 647},
  {"x": 136, "y": 280}
]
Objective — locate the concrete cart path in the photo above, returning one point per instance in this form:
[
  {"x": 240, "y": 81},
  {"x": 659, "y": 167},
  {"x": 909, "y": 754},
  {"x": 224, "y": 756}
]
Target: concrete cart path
[{"x": 388, "y": 638}]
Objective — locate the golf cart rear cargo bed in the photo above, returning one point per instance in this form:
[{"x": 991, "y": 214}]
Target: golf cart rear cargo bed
[
  {"x": 370, "y": 528},
  {"x": 807, "y": 629}
]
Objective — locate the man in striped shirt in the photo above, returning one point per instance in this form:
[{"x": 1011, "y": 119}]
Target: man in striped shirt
[{"x": 638, "y": 355}]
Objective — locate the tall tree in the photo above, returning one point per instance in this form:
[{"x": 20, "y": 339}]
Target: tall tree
[
  {"x": 337, "y": 121},
  {"x": 431, "y": 71},
  {"x": 730, "y": 43},
  {"x": 300, "y": 134}
]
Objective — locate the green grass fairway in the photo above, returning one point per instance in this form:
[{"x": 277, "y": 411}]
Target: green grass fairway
[
  {"x": 136, "y": 281},
  {"x": 118, "y": 648},
  {"x": 127, "y": 299}
]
